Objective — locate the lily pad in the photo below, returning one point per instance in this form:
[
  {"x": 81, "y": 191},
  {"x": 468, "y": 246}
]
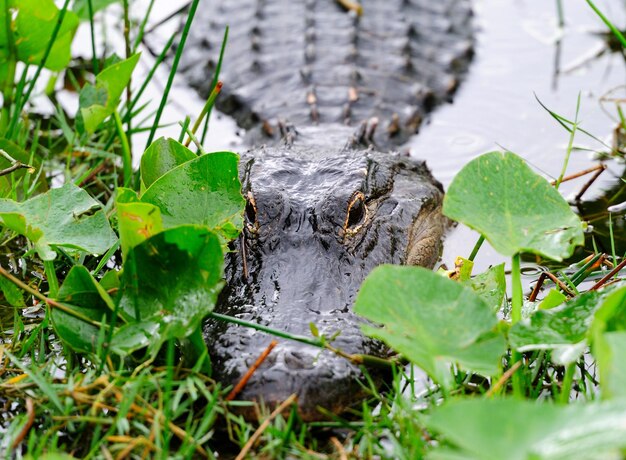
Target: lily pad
[
  {"x": 204, "y": 191},
  {"x": 431, "y": 320},
  {"x": 162, "y": 156},
  {"x": 515, "y": 209},
  {"x": 172, "y": 279},
  {"x": 64, "y": 217},
  {"x": 510, "y": 429}
]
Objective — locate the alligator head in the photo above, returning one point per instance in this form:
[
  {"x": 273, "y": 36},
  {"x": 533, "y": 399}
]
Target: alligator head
[
  {"x": 317, "y": 222},
  {"x": 321, "y": 217}
]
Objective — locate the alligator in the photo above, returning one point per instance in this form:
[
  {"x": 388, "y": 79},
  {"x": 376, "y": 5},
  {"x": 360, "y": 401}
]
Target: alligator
[{"x": 328, "y": 200}]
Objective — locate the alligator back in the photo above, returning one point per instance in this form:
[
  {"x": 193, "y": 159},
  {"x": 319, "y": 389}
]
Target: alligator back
[{"x": 312, "y": 62}]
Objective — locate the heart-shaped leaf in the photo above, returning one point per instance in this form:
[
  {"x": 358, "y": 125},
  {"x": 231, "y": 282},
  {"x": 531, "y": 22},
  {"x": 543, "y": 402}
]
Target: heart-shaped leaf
[
  {"x": 204, "y": 191},
  {"x": 431, "y": 320},
  {"x": 82, "y": 294},
  {"x": 34, "y": 23},
  {"x": 162, "y": 156},
  {"x": 172, "y": 279},
  {"x": 517, "y": 211},
  {"x": 64, "y": 217}
]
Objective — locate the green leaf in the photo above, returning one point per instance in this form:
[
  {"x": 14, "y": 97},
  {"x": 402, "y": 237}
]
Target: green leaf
[
  {"x": 490, "y": 286},
  {"x": 134, "y": 336},
  {"x": 173, "y": 279},
  {"x": 19, "y": 154},
  {"x": 554, "y": 298},
  {"x": 63, "y": 217},
  {"x": 610, "y": 353},
  {"x": 13, "y": 295},
  {"x": 98, "y": 102},
  {"x": 162, "y": 156},
  {"x": 489, "y": 429},
  {"x": 32, "y": 29},
  {"x": 204, "y": 191},
  {"x": 81, "y": 7},
  {"x": 136, "y": 221},
  {"x": 563, "y": 329},
  {"x": 88, "y": 299},
  {"x": 516, "y": 210},
  {"x": 431, "y": 320},
  {"x": 608, "y": 338}
]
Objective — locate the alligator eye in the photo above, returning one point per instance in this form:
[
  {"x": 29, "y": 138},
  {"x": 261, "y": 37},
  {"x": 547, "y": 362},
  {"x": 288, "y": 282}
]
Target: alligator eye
[
  {"x": 357, "y": 212},
  {"x": 250, "y": 211}
]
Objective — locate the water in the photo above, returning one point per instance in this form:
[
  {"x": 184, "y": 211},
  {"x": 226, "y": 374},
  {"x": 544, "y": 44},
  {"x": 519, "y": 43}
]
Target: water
[{"x": 521, "y": 54}]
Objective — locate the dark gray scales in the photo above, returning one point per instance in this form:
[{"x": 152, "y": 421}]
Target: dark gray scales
[
  {"x": 322, "y": 211},
  {"x": 311, "y": 62}
]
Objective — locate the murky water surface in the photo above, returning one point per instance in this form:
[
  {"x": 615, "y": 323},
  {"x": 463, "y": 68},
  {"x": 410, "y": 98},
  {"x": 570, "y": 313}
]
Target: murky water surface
[{"x": 522, "y": 54}]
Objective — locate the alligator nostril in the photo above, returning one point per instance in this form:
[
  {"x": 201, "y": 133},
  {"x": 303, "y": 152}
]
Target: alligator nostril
[{"x": 296, "y": 361}]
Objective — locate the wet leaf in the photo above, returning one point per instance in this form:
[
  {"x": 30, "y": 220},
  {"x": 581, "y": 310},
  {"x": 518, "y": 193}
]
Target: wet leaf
[
  {"x": 162, "y": 156},
  {"x": 173, "y": 278},
  {"x": 516, "y": 210},
  {"x": 81, "y": 293},
  {"x": 489, "y": 429},
  {"x": 136, "y": 221},
  {"x": 64, "y": 217},
  {"x": 431, "y": 320},
  {"x": 563, "y": 329},
  {"x": 204, "y": 191},
  {"x": 97, "y": 102},
  {"x": 490, "y": 286}
]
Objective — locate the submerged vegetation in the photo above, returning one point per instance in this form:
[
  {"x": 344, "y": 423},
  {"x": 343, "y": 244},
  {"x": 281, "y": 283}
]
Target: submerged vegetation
[{"x": 101, "y": 349}]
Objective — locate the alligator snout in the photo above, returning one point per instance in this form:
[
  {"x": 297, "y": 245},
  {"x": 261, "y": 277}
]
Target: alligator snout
[
  {"x": 317, "y": 222},
  {"x": 319, "y": 379}
]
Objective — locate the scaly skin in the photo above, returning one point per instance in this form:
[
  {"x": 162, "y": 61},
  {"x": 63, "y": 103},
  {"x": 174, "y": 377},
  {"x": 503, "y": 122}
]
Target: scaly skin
[{"x": 322, "y": 212}]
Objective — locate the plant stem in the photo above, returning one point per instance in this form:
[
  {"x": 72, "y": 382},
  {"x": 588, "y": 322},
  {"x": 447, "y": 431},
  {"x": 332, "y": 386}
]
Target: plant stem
[
  {"x": 568, "y": 379},
  {"x": 128, "y": 54},
  {"x": 51, "y": 275},
  {"x": 206, "y": 109},
  {"x": 560, "y": 13},
  {"x": 94, "y": 56},
  {"x": 170, "y": 79},
  {"x": 477, "y": 247},
  {"x": 516, "y": 290},
  {"x": 126, "y": 154},
  {"x": 570, "y": 145},
  {"x": 608, "y": 23},
  {"x": 11, "y": 64}
]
